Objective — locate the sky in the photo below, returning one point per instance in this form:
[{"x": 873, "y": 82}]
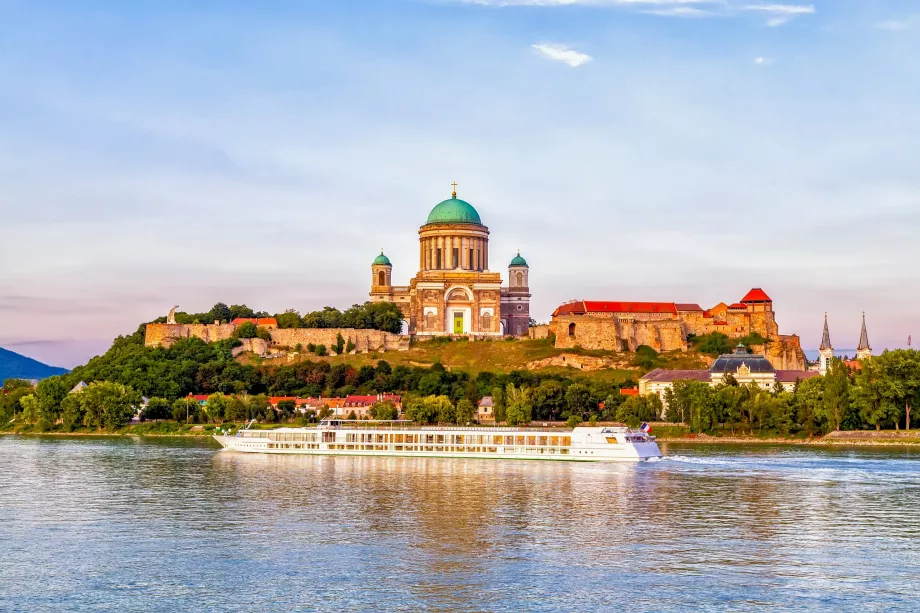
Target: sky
[{"x": 155, "y": 153}]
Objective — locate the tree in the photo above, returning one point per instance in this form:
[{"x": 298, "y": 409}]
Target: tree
[
  {"x": 873, "y": 394},
  {"x": 216, "y": 407},
  {"x": 185, "y": 410},
  {"x": 289, "y": 319},
  {"x": 320, "y": 350},
  {"x": 548, "y": 399},
  {"x": 246, "y": 330},
  {"x": 465, "y": 411},
  {"x": 237, "y": 409},
  {"x": 339, "y": 346},
  {"x": 383, "y": 410},
  {"x": 836, "y": 400},
  {"x": 578, "y": 400},
  {"x": 72, "y": 413},
  {"x": 518, "y": 406},
  {"x": 637, "y": 409},
  {"x": 714, "y": 344},
  {"x": 108, "y": 405},
  {"x": 498, "y": 405},
  {"x": 157, "y": 408},
  {"x": 220, "y": 312},
  {"x": 50, "y": 393}
]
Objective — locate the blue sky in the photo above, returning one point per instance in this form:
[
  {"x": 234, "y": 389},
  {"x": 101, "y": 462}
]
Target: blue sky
[{"x": 160, "y": 153}]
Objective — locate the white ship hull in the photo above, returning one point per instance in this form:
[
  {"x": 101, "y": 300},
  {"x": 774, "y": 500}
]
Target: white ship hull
[{"x": 578, "y": 445}]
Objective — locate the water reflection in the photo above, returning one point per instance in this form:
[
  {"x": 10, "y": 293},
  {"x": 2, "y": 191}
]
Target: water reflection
[{"x": 164, "y": 524}]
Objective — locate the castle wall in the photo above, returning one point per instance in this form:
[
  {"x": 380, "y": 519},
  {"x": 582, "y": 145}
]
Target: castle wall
[
  {"x": 609, "y": 334},
  {"x": 364, "y": 340}
]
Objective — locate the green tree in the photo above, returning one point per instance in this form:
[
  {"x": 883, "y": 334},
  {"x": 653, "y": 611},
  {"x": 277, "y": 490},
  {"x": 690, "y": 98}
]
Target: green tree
[
  {"x": 185, "y": 410},
  {"x": 637, "y": 409},
  {"x": 320, "y": 350},
  {"x": 157, "y": 408},
  {"x": 578, "y": 400},
  {"x": 289, "y": 319},
  {"x": 836, "y": 400},
  {"x": 873, "y": 394},
  {"x": 216, "y": 407},
  {"x": 50, "y": 393},
  {"x": 518, "y": 405},
  {"x": 72, "y": 414},
  {"x": 465, "y": 412},
  {"x": 548, "y": 399},
  {"x": 108, "y": 405},
  {"x": 246, "y": 330},
  {"x": 498, "y": 405},
  {"x": 383, "y": 410}
]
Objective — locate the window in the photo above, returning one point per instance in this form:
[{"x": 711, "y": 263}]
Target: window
[
  {"x": 456, "y": 258},
  {"x": 471, "y": 259},
  {"x": 381, "y": 278},
  {"x": 572, "y": 329},
  {"x": 438, "y": 260},
  {"x": 486, "y": 323},
  {"x": 429, "y": 321}
]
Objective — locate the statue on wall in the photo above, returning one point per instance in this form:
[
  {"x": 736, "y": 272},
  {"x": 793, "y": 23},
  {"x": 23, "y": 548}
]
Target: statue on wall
[{"x": 171, "y": 318}]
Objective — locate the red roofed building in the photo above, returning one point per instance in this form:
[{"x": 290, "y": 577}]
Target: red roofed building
[
  {"x": 665, "y": 326},
  {"x": 263, "y": 322}
]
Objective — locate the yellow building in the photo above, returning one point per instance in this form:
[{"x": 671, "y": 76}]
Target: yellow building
[{"x": 454, "y": 292}]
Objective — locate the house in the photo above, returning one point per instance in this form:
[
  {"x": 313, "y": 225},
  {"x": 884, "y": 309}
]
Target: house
[
  {"x": 485, "y": 412},
  {"x": 269, "y": 323},
  {"x": 361, "y": 404},
  {"x": 79, "y": 387}
]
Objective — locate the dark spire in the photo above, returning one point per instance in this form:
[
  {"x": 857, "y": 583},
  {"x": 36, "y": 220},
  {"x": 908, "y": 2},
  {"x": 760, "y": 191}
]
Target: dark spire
[
  {"x": 863, "y": 337},
  {"x": 826, "y": 338}
]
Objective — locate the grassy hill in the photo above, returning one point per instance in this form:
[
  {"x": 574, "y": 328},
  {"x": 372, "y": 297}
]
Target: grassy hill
[
  {"x": 506, "y": 356},
  {"x": 15, "y": 366}
]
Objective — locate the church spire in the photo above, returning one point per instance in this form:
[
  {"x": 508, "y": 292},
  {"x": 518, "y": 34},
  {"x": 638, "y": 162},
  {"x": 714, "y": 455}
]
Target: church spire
[
  {"x": 864, "y": 350},
  {"x": 826, "y": 337}
]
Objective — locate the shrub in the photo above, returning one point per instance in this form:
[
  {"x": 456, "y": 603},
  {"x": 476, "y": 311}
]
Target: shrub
[{"x": 320, "y": 350}]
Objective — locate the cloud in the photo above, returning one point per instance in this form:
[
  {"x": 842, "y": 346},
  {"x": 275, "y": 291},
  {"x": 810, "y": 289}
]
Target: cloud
[
  {"x": 561, "y": 53},
  {"x": 898, "y": 25},
  {"x": 762, "y": 61},
  {"x": 782, "y": 9},
  {"x": 680, "y": 11}
]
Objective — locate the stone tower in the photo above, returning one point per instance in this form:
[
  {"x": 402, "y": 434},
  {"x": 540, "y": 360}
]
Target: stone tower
[
  {"x": 516, "y": 298},
  {"x": 826, "y": 350},
  {"x": 863, "y": 351},
  {"x": 382, "y": 272}
]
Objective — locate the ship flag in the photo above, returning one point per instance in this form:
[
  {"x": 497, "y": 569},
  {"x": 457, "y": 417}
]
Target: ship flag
[{"x": 645, "y": 427}]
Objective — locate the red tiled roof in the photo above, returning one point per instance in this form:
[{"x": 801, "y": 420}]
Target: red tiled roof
[
  {"x": 274, "y": 400},
  {"x": 738, "y": 305},
  {"x": 366, "y": 401},
  {"x": 791, "y": 376},
  {"x": 259, "y": 321},
  {"x": 596, "y": 306},
  {"x": 756, "y": 295},
  {"x": 707, "y": 314},
  {"x": 199, "y": 397},
  {"x": 629, "y": 391},
  {"x": 688, "y": 307}
]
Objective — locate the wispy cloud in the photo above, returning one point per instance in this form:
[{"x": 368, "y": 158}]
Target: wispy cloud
[
  {"x": 781, "y": 13},
  {"x": 762, "y": 61},
  {"x": 898, "y": 25},
  {"x": 561, "y": 53}
]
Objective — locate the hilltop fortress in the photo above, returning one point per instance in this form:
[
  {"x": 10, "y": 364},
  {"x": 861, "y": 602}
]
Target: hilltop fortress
[
  {"x": 665, "y": 326},
  {"x": 455, "y": 293}
]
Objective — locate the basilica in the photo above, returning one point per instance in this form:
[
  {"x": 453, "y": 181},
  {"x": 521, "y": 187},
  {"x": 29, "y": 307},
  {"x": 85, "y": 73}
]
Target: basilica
[{"x": 454, "y": 291}]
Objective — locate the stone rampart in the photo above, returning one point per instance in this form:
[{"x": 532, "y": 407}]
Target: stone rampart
[{"x": 364, "y": 340}]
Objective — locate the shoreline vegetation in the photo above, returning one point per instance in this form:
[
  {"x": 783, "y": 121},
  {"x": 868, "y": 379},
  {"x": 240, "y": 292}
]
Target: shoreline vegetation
[{"x": 665, "y": 433}]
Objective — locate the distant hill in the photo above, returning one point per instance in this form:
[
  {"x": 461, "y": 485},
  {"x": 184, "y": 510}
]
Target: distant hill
[{"x": 15, "y": 366}]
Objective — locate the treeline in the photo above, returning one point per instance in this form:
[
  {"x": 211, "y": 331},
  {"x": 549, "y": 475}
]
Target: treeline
[
  {"x": 881, "y": 393},
  {"x": 384, "y": 316},
  {"x": 102, "y": 405},
  {"x": 191, "y": 366},
  {"x": 716, "y": 343}
]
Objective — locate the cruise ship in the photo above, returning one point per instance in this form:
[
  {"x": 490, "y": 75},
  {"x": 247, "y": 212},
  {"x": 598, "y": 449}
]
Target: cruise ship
[{"x": 401, "y": 438}]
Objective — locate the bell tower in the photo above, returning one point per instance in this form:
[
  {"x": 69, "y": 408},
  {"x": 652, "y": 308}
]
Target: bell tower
[
  {"x": 516, "y": 298},
  {"x": 826, "y": 350},
  {"x": 381, "y": 275},
  {"x": 863, "y": 351}
]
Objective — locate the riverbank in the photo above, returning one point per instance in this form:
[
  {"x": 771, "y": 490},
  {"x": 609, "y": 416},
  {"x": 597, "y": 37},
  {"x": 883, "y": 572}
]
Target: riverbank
[
  {"x": 665, "y": 433},
  {"x": 866, "y": 438}
]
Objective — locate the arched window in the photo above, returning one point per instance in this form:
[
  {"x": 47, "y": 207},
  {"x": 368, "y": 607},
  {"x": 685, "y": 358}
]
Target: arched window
[
  {"x": 429, "y": 321},
  {"x": 381, "y": 278},
  {"x": 458, "y": 294},
  {"x": 486, "y": 322},
  {"x": 572, "y": 329},
  {"x": 520, "y": 279}
]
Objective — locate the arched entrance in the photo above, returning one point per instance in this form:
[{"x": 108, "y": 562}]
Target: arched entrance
[{"x": 458, "y": 311}]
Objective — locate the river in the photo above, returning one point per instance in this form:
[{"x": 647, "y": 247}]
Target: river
[{"x": 131, "y": 524}]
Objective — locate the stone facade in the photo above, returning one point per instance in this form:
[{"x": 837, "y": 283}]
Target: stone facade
[
  {"x": 365, "y": 341},
  {"x": 624, "y": 326},
  {"x": 454, "y": 291}
]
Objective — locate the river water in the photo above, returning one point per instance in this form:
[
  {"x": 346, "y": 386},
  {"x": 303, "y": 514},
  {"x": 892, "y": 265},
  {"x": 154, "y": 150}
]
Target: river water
[{"x": 131, "y": 524}]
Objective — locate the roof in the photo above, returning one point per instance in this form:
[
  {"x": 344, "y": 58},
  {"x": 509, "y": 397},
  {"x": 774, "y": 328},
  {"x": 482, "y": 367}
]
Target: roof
[
  {"x": 863, "y": 337},
  {"x": 358, "y": 400},
  {"x": 738, "y": 305},
  {"x": 791, "y": 376},
  {"x": 731, "y": 362},
  {"x": 584, "y": 307},
  {"x": 660, "y": 375},
  {"x": 454, "y": 210},
  {"x": 629, "y": 391},
  {"x": 756, "y": 295},
  {"x": 688, "y": 307},
  {"x": 826, "y": 336},
  {"x": 486, "y": 401},
  {"x": 518, "y": 261},
  {"x": 259, "y": 321},
  {"x": 382, "y": 260}
]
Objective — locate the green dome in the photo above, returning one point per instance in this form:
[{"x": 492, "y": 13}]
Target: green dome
[
  {"x": 454, "y": 210},
  {"x": 518, "y": 261},
  {"x": 382, "y": 260}
]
